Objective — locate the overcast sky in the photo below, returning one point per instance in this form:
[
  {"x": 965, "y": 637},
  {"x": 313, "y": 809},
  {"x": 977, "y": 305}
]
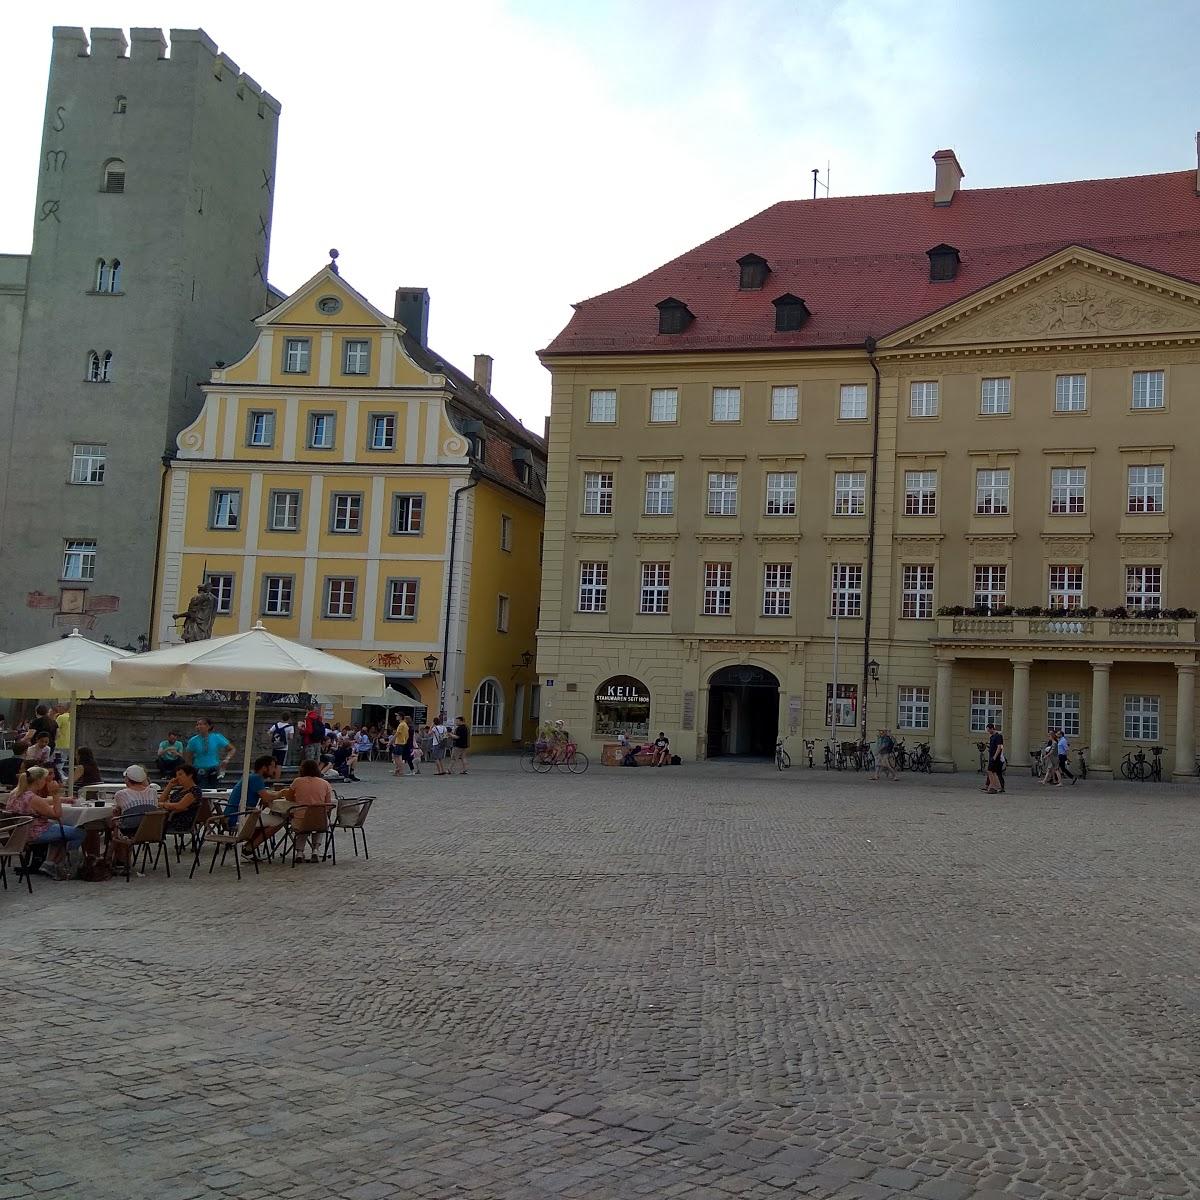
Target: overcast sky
[{"x": 514, "y": 156}]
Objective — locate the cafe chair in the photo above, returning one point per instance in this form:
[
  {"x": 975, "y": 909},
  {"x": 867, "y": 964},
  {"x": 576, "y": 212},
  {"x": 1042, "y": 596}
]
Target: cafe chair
[
  {"x": 306, "y": 819},
  {"x": 150, "y": 837},
  {"x": 14, "y": 843},
  {"x": 351, "y": 815},
  {"x": 222, "y": 841}
]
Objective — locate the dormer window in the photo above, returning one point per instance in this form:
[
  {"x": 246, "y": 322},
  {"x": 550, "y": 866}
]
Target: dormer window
[
  {"x": 673, "y": 315},
  {"x": 943, "y": 262},
  {"x": 523, "y": 465},
  {"x": 754, "y": 272},
  {"x": 790, "y": 313}
]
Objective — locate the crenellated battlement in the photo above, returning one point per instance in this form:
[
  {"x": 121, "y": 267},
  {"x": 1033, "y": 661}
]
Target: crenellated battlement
[{"x": 187, "y": 46}]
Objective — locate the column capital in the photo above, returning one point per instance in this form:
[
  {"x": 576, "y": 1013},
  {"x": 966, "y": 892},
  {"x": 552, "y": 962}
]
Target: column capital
[
  {"x": 1022, "y": 664},
  {"x": 1101, "y": 664},
  {"x": 1185, "y": 668}
]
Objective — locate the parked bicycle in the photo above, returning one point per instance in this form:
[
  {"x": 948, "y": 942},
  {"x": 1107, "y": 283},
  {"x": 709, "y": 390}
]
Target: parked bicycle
[
  {"x": 901, "y": 758},
  {"x": 782, "y": 758},
  {"x": 1082, "y": 772},
  {"x": 810, "y": 748},
  {"x": 1037, "y": 762},
  {"x": 983, "y": 761},
  {"x": 920, "y": 759},
  {"x": 1136, "y": 766}
]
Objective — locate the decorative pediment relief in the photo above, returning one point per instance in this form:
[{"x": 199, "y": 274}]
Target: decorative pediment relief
[{"x": 1076, "y": 295}]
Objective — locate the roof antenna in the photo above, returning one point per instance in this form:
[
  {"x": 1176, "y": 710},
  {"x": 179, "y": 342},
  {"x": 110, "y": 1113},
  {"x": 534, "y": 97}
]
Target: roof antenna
[{"x": 818, "y": 182}]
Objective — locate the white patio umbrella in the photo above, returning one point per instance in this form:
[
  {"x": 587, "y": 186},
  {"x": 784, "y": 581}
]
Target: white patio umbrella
[
  {"x": 253, "y": 661},
  {"x": 67, "y": 668}
]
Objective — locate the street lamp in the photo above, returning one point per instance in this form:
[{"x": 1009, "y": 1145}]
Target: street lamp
[
  {"x": 430, "y": 664},
  {"x": 873, "y": 671}
]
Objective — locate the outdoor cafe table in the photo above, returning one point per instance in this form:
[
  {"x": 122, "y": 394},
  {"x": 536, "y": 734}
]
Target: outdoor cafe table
[
  {"x": 86, "y": 815},
  {"x": 98, "y": 791}
]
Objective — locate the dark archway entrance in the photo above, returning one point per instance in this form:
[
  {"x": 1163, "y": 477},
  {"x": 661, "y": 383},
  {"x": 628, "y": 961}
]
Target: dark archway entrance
[{"x": 743, "y": 712}]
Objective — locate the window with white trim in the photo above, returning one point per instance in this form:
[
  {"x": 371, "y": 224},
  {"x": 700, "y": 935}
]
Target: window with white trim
[
  {"x": 260, "y": 429},
  {"x": 722, "y": 493},
  {"x": 660, "y": 493},
  {"x": 602, "y": 406},
  {"x": 785, "y": 403},
  {"x": 1068, "y": 490},
  {"x": 664, "y": 406},
  {"x": 1066, "y": 586},
  {"x": 1149, "y": 389},
  {"x": 345, "y": 512},
  {"x": 852, "y": 402},
  {"x": 277, "y": 595},
  {"x": 991, "y": 585},
  {"x": 356, "y": 356},
  {"x": 220, "y": 584},
  {"x": 340, "y": 593},
  {"x": 402, "y": 599},
  {"x": 79, "y": 559},
  {"x": 225, "y": 508},
  {"x": 487, "y": 708},
  {"x": 408, "y": 512},
  {"x": 849, "y": 493},
  {"x": 108, "y": 276},
  {"x": 506, "y": 532},
  {"x": 1146, "y": 489},
  {"x": 916, "y": 592},
  {"x": 321, "y": 430},
  {"x": 285, "y": 511},
  {"x": 99, "y": 366},
  {"x": 781, "y": 493},
  {"x": 296, "y": 355},
  {"x": 1070, "y": 393},
  {"x": 503, "y": 605},
  {"x": 1141, "y": 718},
  {"x": 1062, "y": 712},
  {"x": 1143, "y": 587},
  {"x": 777, "y": 590},
  {"x": 597, "y": 493},
  {"x": 995, "y": 397},
  {"x": 656, "y": 587},
  {"x": 923, "y": 399},
  {"x": 912, "y": 708},
  {"x": 382, "y": 431},
  {"x": 987, "y": 708},
  {"x": 727, "y": 404},
  {"x": 920, "y": 493},
  {"x": 593, "y": 587},
  {"x": 992, "y": 488},
  {"x": 846, "y": 590},
  {"x": 88, "y": 460},
  {"x": 718, "y": 589}
]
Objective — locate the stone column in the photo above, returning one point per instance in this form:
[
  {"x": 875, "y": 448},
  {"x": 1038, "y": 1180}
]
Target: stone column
[
  {"x": 943, "y": 748},
  {"x": 1016, "y": 736},
  {"x": 1185, "y": 720},
  {"x": 1098, "y": 763}
]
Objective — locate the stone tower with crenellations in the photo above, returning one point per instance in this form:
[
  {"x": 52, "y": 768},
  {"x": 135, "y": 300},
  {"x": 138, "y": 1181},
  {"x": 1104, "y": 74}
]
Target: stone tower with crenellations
[{"x": 151, "y": 232}]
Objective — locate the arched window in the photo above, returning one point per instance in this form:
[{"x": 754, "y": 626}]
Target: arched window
[
  {"x": 113, "y": 179},
  {"x": 106, "y": 366},
  {"x": 119, "y": 104},
  {"x": 93, "y": 367},
  {"x": 487, "y": 709},
  {"x": 114, "y": 275},
  {"x": 101, "y": 275}
]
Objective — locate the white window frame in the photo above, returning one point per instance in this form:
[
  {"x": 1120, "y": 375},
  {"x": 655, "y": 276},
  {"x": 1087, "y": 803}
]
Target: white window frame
[
  {"x": 260, "y": 428},
  {"x": 329, "y": 423},
  {"x": 1147, "y": 489},
  {"x": 356, "y": 356},
  {"x": 660, "y": 494},
  {"x": 664, "y": 406},
  {"x": 726, "y": 405},
  {"x": 285, "y": 503},
  {"x": 506, "y": 532},
  {"x": 487, "y": 708},
  {"x": 403, "y": 598},
  {"x": 602, "y": 406},
  {"x": 225, "y": 503},
  {"x": 598, "y": 491},
  {"x": 222, "y": 584},
  {"x": 408, "y": 514},
  {"x": 1068, "y": 490},
  {"x": 991, "y": 585},
  {"x": 852, "y": 402},
  {"x": 381, "y": 424},
  {"x": 79, "y": 560},
  {"x": 717, "y": 600},
  {"x": 785, "y": 402},
  {"x": 920, "y": 493},
  {"x": 781, "y": 494},
  {"x": 1065, "y": 585},
  {"x": 89, "y": 461},
  {"x": 993, "y": 491},
  {"x": 1143, "y": 586},
  {"x": 1148, "y": 390},
  {"x": 916, "y": 591},
  {"x": 849, "y": 493},
  {"x": 995, "y": 396},
  {"x": 924, "y": 398},
  {"x": 346, "y": 513},
  {"x": 845, "y": 592},
  {"x": 297, "y": 355},
  {"x": 777, "y": 590},
  {"x": 341, "y": 594},
  {"x": 1063, "y": 712},
  {"x": 278, "y": 595},
  {"x": 655, "y": 591},
  {"x": 1141, "y": 715},
  {"x": 593, "y": 587},
  {"x": 1070, "y": 393},
  {"x": 503, "y": 612},
  {"x": 987, "y": 708},
  {"x": 912, "y": 707},
  {"x": 722, "y": 494}
]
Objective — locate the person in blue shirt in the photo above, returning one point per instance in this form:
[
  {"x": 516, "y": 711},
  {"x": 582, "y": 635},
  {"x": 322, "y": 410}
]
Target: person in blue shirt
[
  {"x": 208, "y": 751},
  {"x": 266, "y": 771}
]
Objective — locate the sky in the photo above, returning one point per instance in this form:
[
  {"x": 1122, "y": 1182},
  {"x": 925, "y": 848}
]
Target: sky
[{"x": 516, "y": 156}]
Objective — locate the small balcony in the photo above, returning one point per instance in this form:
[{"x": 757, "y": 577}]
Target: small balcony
[{"x": 1070, "y": 629}]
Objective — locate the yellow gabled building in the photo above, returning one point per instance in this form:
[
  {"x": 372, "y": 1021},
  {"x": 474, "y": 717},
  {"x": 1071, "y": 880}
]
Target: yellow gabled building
[{"x": 351, "y": 490}]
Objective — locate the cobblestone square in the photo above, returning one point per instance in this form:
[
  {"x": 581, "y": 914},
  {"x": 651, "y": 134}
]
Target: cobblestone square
[{"x": 706, "y": 982}]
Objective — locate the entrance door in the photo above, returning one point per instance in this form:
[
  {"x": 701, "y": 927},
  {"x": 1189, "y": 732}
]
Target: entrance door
[{"x": 743, "y": 713}]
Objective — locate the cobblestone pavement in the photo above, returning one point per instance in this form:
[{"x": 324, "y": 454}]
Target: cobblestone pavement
[{"x": 701, "y": 982}]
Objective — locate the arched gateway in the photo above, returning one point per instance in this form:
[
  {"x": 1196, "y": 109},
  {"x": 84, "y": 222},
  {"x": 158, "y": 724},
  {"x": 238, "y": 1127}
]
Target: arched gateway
[{"x": 743, "y": 712}]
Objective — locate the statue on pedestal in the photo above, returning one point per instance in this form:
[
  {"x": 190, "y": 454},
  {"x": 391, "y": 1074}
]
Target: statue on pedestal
[{"x": 201, "y": 612}]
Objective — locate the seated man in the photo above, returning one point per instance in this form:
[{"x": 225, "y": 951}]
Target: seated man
[
  {"x": 662, "y": 750},
  {"x": 266, "y": 771},
  {"x": 345, "y": 758},
  {"x": 170, "y": 754}
]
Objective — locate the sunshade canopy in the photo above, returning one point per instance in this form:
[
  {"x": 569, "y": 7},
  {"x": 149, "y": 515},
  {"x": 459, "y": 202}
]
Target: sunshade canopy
[
  {"x": 391, "y": 698},
  {"x": 71, "y": 664}
]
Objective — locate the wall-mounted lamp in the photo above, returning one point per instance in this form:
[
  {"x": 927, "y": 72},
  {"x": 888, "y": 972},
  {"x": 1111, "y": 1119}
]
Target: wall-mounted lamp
[{"x": 430, "y": 664}]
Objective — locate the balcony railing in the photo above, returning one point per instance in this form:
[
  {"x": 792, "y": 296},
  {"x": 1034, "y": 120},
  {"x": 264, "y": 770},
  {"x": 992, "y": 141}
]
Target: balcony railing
[{"x": 1067, "y": 629}]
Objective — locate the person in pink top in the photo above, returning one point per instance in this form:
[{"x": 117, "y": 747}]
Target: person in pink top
[
  {"x": 36, "y": 795},
  {"x": 310, "y": 789}
]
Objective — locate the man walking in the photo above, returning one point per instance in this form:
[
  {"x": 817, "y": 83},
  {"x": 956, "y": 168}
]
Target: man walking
[
  {"x": 458, "y": 751},
  {"x": 313, "y": 734},
  {"x": 995, "y": 772},
  {"x": 1064, "y": 749}
]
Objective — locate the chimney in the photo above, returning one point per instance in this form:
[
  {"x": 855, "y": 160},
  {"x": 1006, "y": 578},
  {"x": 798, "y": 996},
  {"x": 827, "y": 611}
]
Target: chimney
[
  {"x": 483, "y": 371},
  {"x": 412, "y": 311},
  {"x": 947, "y": 176}
]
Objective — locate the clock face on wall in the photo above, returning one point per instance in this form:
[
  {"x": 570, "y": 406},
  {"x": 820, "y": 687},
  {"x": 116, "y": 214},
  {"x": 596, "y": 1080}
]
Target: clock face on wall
[{"x": 329, "y": 304}]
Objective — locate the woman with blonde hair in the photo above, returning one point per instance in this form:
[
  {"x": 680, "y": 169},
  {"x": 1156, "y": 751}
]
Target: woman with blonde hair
[{"x": 36, "y": 795}]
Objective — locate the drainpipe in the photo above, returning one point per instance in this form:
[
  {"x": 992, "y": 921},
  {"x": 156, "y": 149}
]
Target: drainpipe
[
  {"x": 866, "y": 656},
  {"x": 450, "y": 583},
  {"x": 167, "y": 460}
]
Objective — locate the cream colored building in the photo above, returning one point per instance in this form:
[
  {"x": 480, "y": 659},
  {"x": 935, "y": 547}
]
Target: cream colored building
[{"x": 885, "y": 408}]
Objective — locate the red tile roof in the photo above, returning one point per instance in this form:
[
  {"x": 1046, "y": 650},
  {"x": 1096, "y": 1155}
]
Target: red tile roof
[{"x": 859, "y": 262}]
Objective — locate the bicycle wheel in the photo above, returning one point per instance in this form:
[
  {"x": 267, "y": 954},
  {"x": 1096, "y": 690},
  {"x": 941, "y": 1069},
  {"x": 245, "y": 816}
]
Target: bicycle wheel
[
  {"x": 542, "y": 763},
  {"x": 526, "y": 760},
  {"x": 787, "y": 760},
  {"x": 1126, "y": 769},
  {"x": 577, "y": 763}
]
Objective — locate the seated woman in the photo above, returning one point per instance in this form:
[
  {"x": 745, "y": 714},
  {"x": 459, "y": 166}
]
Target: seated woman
[
  {"x": 309, "y": 790},
  {"x": 36, "y": 795},
  {"x": 39, "y": 753},
  {"x": 138, "y": 797},
  {"x": 86, "y": 771},
  {"x": 183, "y": 800}
]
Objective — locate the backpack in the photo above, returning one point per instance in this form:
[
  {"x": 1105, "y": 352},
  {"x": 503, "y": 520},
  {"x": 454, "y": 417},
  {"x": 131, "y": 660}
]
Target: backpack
[
  {"x": 93, "y": 869},
  {"x": 314, "y": 729},
  {"x": 676, "y": 761},
  {"x": 886, "y": 744},
  {"x": 279, "y": 739}
]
